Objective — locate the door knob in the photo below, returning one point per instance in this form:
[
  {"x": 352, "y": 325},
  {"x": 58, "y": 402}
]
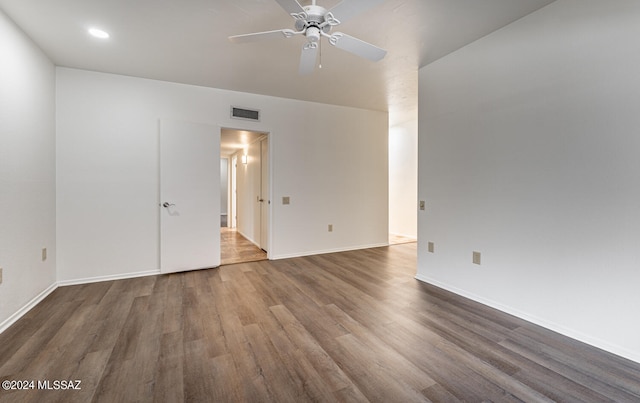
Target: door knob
[{"x": 167, "y": 204}]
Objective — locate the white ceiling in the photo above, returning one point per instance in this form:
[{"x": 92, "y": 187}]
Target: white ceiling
[{"x": 185, "y": 41}]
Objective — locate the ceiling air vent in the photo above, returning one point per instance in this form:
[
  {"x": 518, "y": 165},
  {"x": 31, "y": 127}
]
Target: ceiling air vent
[{"x": 243, "y": 113}]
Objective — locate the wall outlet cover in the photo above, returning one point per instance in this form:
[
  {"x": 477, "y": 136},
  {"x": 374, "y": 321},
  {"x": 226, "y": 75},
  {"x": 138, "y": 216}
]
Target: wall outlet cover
[{"x": 476, "y": 257}]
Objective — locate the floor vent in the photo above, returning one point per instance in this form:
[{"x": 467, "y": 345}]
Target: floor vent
[{"x": 243, "y": 113}]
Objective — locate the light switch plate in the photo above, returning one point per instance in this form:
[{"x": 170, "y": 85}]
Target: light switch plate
[
  {"x": 286, "y": 200},
  {"x": 422, "y": 204},
  {"x": 430, "y": 247}
]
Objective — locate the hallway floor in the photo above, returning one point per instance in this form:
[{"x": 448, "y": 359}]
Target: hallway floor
[
  {"x": 399, "y": 239},
  {"x": 234, "y": 248}
]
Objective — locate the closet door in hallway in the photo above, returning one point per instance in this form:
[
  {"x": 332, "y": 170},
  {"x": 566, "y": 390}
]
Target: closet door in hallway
[{"x": 265, "y": 201}]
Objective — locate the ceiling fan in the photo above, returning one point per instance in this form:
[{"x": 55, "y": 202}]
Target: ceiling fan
[{"x": 315, "y": 22}]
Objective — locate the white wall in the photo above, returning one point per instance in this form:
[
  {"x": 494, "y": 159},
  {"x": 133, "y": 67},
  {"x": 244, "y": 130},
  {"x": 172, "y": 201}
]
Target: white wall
[
  {"x": 27, "y": 171},
  {"x": 403, "y": 178},
  {"x": 529, "y": 154},
  {"x": 331, "y": 161}
]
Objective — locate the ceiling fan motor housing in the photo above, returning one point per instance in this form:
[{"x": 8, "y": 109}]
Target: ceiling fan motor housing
[{"x": 313, "y": 22}]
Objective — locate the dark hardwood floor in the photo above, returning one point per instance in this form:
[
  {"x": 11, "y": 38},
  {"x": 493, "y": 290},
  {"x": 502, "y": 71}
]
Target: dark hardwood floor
[{"x": 352, "y": 326}]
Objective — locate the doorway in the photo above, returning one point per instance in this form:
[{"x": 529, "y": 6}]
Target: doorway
[{"x": 244, "y": 237}]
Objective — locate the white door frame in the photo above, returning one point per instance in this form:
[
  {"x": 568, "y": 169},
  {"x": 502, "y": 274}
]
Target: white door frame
[{"x": 269, "y": 201}]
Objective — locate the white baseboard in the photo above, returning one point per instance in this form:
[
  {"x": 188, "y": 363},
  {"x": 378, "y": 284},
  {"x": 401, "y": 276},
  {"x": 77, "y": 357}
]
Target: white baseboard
[
  {"x": 112, "y": 277},
  {"x": 322, "y": 252},
  {"x": 27, "y": 307},
  {"x": 38, "y": 298},
  {"x": 248, "y": 238},
  {"x": 558, "y": 328}
]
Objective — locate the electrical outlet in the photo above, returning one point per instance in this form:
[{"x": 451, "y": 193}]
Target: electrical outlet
[
  {"x": 476, "y": 257},
  {"x": 430, "y": 247},
  {"x": 330, "y": 227},
  {"x": 286, "y": 200},
  {"x": 44, "y": 254}
]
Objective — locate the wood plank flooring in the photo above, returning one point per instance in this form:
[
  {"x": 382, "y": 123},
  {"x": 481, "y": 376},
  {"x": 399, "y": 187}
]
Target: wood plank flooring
[
  {"x": 347, "y": 327},
  {"x": 395, "y": 239},
  {"x": 234, "y": 248}
]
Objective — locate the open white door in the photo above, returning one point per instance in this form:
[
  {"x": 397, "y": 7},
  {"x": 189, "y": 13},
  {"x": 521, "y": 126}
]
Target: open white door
[{"x": 189, "y": 196}]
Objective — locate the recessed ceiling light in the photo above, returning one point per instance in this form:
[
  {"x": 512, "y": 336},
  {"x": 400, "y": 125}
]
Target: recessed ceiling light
[{"x": 98, "y": 33}]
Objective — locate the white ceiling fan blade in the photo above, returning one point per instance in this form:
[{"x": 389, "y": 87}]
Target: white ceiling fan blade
[
  {"x": 308, "y": 58},
  {"x": 260, "y": 36},
  {"x": 347, "y": 9},
  {"x": 357, "y": 46},
  {"x": 291, "y": 6}
]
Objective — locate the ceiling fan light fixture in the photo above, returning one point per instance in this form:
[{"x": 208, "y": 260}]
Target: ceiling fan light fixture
[
  {"x": 313, "y": 34},
  {"x": 98, "y": 33}
]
